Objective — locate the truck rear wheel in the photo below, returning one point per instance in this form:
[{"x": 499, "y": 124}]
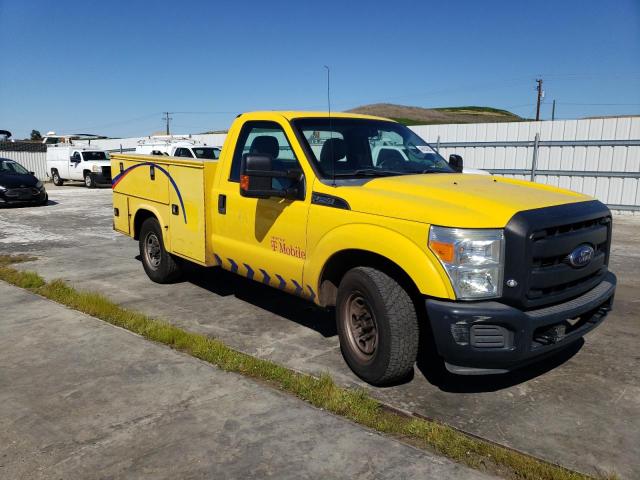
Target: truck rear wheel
[
  {"x": 57, "y": 181},
  {"x": 160, "y": 265},
  {"x": 377, "y": 325},
  {"x": 89, "y": 180}
]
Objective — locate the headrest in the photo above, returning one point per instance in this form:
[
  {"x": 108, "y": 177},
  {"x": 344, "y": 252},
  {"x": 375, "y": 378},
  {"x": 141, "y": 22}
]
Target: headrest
[
  {"x": 333, "y": 150},
  {"x": 265, "y": 145},
  {"x": 389, "y": 155}
]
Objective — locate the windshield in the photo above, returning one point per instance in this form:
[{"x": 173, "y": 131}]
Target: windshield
[
  {"x": 9, "y": 167},
  {"x": 356, "y": 147},
  {"x": 208, "y": 153},
  {"x": 89, "y": 156}
]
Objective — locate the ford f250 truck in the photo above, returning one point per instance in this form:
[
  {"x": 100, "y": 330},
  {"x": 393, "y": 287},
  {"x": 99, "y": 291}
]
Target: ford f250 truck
[{"x": 500, "y": 272}]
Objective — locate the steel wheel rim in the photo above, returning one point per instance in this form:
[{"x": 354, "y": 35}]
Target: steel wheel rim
[
  {"x": 87, "y": 180},
  {"x": 152, "y": 251},
  {"x": 361, "y": 326}
]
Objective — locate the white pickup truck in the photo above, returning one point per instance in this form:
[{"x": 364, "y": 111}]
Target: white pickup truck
[
  {"x": 84, "y": 164},
  {"x": 178, "y": 148}
]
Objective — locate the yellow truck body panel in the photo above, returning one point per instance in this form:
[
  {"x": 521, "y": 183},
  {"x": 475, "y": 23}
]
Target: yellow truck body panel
[
  {"x": 312, "y": 205},
  {"x": 287, "y": 243}
]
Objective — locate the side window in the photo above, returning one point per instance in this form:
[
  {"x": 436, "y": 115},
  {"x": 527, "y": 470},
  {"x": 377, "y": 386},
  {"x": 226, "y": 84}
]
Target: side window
[
  {"x": 76, "y": 156},
  {"x": 266, "y": 138},
  {"x": 178, "y": 152},
  {"x": 187, "y": 152}
]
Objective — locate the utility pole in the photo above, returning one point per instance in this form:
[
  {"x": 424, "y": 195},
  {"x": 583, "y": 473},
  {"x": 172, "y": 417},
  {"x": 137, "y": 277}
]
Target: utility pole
[
  {"x": 539, "y": 88},
  {"x": 167, "y": 119},
  {"x": 553, "y": 111}
]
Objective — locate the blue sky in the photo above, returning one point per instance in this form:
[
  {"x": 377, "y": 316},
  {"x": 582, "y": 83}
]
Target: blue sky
[{"x": 112, "y": 67}]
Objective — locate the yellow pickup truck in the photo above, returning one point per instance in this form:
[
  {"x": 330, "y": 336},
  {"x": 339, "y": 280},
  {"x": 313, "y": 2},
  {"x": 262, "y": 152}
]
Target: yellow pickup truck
[{"x": 498, "y": 272}]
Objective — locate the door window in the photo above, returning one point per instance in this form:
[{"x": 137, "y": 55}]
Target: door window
[
  {"x": 75, "y": 157},
  {"x": 267, "y": 138},
  {"x": 183, "y": 152}
]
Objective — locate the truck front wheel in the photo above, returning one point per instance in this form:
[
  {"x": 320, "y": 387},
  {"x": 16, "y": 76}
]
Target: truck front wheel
[
  {"x": 377, "y": 325},
  {"x": 89, "y": 180},
  {"x": 159, "y": 264}
]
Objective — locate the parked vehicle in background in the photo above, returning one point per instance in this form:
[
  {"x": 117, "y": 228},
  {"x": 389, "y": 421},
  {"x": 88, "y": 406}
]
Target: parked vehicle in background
[
  {"x": 87, "y": 165},
  {"x": 178, "y": 147},
  {"x": 386, "y": 156},
  {"x": 19, "y": 186},
  {"x": 78, "y": 139},
  {"x": 498, "y": 272}
]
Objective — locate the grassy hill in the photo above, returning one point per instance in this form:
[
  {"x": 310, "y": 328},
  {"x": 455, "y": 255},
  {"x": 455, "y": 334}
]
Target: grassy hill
[{"x": 431, "y": 116}]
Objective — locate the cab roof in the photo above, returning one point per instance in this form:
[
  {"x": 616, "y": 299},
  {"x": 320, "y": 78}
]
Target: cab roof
[{"x": 292, "y": 115}]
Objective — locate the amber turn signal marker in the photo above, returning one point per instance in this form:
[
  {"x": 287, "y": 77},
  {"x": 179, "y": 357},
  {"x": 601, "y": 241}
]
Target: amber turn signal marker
[
  {"x": 442, "y": 250},
  {"x": 244, "y": 182}
]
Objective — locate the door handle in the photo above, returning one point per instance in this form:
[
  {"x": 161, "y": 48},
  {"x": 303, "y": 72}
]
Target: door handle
[
  {"x": 222, "y": 204},
  {"x": 174, "y": 209}
]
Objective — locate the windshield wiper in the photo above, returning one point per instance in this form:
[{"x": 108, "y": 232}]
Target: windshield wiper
[
  {"x": 374, "y": 172},
  {"x": 415, "y": 172}
]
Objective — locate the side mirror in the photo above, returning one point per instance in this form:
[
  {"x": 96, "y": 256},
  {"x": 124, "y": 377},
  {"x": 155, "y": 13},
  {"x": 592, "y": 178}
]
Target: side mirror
[
  {"x": 32, "y": 173},
  {"x": 256, "y": 175},
  {"x": 74, "y": 160},
  {"x": 455, "y": 162}
]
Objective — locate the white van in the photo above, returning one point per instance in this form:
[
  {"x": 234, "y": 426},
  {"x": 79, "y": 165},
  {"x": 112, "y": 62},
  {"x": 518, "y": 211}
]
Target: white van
[{"x": 84, "y": 164}]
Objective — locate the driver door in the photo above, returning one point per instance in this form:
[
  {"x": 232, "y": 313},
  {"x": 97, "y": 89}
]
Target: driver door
[
  {"x": 263, "y": 239},
  {"x": 75, "y": 166}
]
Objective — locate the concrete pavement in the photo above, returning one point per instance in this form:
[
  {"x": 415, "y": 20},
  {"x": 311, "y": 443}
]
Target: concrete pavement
[
  {"x": 80, "y": 398},
  {"x": 581, "y": 409}
]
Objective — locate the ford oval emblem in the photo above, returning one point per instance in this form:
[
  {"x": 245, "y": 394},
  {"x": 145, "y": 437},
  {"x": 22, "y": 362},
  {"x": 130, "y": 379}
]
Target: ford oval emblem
[{"x": 581, "y": 256}]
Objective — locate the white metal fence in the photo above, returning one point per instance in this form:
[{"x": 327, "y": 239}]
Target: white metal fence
[
  {"x": 32, "y": 156},
  {"x": 599, "y": 157}
]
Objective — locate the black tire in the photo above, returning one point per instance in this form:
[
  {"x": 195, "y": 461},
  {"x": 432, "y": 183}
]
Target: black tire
[
  {"x": 57, "y": 181},
  {"x": 45, "y": 201},
  {"x": 160, "y": 265},
  {"x": 89, "y": 180},
  {"x": 394, "y": 318}
]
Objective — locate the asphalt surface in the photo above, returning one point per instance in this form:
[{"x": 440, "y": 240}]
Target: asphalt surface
[
  {"x": 580, "y": 409},
  {"x": 80, "y": 398}
]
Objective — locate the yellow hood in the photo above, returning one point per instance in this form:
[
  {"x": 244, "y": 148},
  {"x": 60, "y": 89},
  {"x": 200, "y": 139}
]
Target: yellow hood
[{"x": 467, "y": 201}]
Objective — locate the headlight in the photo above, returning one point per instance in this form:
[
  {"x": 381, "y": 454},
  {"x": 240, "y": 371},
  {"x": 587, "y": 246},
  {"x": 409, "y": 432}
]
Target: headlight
[
  {"x": 473, "y": 259},
  {"x": 39, "y": 185},
  {"x": 96, "y": 168}
]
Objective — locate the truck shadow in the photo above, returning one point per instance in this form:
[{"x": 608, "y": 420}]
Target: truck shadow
[
  {"x": 223, "y": 283},
  {"x": 28, "y": 205},
  {"x": 432, "y": 368},
  {"x": 429, "y": 365}
]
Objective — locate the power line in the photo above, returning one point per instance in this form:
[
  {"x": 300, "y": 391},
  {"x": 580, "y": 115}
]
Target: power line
[
  {"x": 602, "y": 104},
  {"x": 114, "y": 124}
]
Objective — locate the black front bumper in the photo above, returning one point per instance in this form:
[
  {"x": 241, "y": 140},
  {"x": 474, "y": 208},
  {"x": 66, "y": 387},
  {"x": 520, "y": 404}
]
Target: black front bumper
[
  {"x": 11, "y": 197},
  {"x": 101, "y": 178},
  {"x": 491, "y": 337}
]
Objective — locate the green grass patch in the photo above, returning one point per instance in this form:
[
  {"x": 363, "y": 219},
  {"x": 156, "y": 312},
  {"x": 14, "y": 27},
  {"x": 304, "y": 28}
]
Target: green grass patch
[
  {"x": 413, "y": 122},
  {"x": 354, "y": 404},
  {"x": 475, "y": 109}
]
